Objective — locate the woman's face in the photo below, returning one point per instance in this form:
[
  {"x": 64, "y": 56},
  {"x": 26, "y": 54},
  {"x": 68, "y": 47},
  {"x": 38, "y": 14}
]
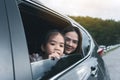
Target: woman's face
[
  {"x": 71, "y": 40},
  {"x": 55, "y": 46}
]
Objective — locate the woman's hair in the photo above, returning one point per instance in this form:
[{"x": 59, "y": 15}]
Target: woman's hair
[
  {"x": 75, "y": 29},
  {"x": 49, "y": 34}
]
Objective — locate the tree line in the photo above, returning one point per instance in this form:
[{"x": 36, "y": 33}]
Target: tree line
[{"x": 105, "y": 32}]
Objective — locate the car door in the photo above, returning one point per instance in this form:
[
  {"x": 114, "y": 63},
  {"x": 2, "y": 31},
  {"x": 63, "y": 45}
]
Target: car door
[
  {"x": 85, "y": 69},
  {"x": 78, "y": 71},
  {"x": 90, "y": 48},
  {"x": 19, "y": 51}
]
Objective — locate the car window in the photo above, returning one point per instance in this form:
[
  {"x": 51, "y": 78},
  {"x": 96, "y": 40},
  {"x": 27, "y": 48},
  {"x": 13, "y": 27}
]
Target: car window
[
  {"x": 85, "y": 42},
  {"x": 39, "y": 68},
  {"x": 37, "y": 21}
]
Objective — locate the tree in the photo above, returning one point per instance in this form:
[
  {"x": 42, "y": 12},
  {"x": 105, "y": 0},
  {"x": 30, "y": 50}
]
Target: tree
[{"x": 105, "y": 32}]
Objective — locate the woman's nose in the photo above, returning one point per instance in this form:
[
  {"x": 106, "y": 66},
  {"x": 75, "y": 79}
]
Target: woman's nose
[{"x": 70, "y": 43}]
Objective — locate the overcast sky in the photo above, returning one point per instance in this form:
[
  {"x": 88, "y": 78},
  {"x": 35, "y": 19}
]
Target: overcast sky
[{"x": 105, "y": 9}]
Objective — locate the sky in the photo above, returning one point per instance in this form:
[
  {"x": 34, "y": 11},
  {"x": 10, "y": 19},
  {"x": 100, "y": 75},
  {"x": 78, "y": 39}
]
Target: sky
[{"x": 104, "y": 9}]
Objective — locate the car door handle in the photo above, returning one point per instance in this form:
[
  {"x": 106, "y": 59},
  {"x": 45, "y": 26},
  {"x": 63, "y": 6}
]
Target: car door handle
[{"x": 94, "y": 71}]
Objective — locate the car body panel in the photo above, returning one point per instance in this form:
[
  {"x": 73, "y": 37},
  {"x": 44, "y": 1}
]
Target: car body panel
[
  {"x": 6, "y": 64},
  {"x": 81, "y": 72},
  {"x": 21, "y": 65}
]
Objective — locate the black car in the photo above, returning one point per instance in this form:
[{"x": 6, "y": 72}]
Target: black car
[{"x": 23, "y": 24}]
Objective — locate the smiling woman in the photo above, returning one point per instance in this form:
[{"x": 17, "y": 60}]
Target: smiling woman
[{"x": 73, "y": 40}]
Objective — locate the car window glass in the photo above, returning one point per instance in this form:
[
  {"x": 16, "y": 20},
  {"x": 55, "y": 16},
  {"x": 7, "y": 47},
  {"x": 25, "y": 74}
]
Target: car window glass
[
  {"x": 85, "y": 42},
  {"x": 61, "y": 65},
  {"x": 36, "y": 24},
  {"x": 40, "y": 67}
]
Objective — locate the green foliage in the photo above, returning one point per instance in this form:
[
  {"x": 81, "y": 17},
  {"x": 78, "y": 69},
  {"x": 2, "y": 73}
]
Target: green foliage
[{"x": 105, "y": 32}]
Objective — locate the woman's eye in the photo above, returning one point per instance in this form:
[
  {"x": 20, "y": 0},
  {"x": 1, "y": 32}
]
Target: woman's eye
[
  {"x": 75, "y": 41},
  {"x": 67, "y": 39}
]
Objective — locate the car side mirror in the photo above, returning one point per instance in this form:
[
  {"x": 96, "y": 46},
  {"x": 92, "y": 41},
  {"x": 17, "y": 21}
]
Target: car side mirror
[{"x": 100, "y": 51}]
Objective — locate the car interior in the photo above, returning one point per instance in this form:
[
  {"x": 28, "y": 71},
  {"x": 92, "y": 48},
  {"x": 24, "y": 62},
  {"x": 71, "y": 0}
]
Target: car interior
[{"x": 37, "y": 23}]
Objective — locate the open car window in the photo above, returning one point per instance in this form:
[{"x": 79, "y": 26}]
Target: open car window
[{"x": 37, "y": 21}]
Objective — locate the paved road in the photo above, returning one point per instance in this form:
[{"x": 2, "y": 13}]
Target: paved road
[{"x": 112, "y": 60}]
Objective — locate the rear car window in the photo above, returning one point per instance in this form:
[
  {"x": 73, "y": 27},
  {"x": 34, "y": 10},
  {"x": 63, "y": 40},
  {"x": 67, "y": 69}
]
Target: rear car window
[{"x": 37, "y": 21}]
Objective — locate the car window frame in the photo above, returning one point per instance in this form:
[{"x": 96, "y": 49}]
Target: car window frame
[
  {"x": 49, "y": 13},
  {"x": 6, "y": 68},
  {"x": 21, "y": 65}
]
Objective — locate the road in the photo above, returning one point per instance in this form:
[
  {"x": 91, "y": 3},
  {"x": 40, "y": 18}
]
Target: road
[{"x": 112, "y": 60}]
